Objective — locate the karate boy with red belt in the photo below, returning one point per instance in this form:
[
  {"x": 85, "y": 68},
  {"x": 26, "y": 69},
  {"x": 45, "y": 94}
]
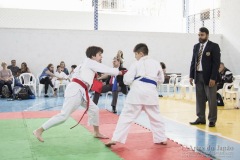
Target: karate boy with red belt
[
  {"x": 76, "y": 93},
  {"x": 143, "y": 77}
]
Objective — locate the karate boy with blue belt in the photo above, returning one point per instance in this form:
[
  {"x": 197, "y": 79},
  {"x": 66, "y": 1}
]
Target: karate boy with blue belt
[{"x": 143, "y": 77}]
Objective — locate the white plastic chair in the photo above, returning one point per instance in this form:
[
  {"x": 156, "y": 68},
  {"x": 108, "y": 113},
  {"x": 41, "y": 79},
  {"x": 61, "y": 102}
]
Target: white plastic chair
[
  {"x": 25, "y": 79},
  {"x": 183, "y": 85},
  {"x": 237, "y": 97},
  {"x": 236, "y": 76},
  {"x": 170, "y": 84},
  {"x": 229, "y": 91},
  {"x": 234, "y": 89},
  {"x": 107, "y": 94},
  {"x": 63, "y": 85}
]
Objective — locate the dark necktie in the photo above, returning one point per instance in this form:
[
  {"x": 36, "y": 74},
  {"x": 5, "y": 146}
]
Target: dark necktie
[{"x": 199, "y": 56}]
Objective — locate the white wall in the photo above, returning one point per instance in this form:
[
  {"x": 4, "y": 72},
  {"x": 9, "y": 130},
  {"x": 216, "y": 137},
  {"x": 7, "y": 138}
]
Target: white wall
[
  {"x": 41, "y": 19},
  {"x": 40, "y": 47},
  {"x": 230, "y": 28},
  {"x": 197, "y": 6},
  {"x": 169, "y": 21}
]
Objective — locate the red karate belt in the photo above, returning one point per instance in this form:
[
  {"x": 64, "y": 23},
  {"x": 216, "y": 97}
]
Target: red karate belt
[{"x": 87, "y": 97}]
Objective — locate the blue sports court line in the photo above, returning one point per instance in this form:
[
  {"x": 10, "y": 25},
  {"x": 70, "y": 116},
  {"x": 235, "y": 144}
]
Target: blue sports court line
[{"x": 205, "y": 142}]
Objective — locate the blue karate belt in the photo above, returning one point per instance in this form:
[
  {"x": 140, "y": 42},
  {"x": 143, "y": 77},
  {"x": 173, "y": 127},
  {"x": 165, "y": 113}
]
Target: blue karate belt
[{"x": 146, "y": 80}]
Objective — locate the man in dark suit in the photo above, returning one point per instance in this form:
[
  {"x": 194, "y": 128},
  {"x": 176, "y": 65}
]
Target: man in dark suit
[
  {"x": 204, "y": 70},
  {"x": 119, "y": 85}
]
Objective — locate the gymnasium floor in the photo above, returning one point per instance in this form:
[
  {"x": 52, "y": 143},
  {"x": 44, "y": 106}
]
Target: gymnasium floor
[{"x": 19, "y": 118}]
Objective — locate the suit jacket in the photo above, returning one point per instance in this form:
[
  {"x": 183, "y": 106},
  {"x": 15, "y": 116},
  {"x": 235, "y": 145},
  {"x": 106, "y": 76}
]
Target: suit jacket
[
  {"x": 120, "y": 81},
  {"x": 211, "y": 58}
]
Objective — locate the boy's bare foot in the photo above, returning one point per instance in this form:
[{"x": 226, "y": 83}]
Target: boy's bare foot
[
  {"x": 110, "y": 143},
  {"x": 100, "y": 136},
  {"x": 38, "y": 134}
]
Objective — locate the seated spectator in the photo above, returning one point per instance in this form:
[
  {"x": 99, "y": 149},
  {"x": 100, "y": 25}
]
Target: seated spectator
[
  {"x": 6, "y": 78},
  {"x": 63, "y": 67},
  {"x": 163, "y": 65},
  {"x": 225, "y": 76},
  {"x": 24, "y": 68},
  {"x": 14, "y": 68},
  {"x": 166, "y": 78},
  {"x": 61, "y": 78},
  {"x": 120, "y": 57},
  {"x": 46, "y": 77},
  {"x": 72, "y": 71},
  {"x": 109, "y": 86}
]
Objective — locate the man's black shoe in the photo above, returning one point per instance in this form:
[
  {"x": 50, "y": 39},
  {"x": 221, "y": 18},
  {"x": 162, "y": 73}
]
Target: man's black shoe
[
  {"x": 197, "y": 122},
  {"x": 211, "y": 124}
]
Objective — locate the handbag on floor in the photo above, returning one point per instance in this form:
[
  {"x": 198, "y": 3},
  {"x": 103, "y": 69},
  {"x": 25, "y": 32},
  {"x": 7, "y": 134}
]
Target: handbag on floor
[
  {"x": 219, "y": 100},
  {"x": 20, "y": 92},
  {"x": 5, "y": 92}
]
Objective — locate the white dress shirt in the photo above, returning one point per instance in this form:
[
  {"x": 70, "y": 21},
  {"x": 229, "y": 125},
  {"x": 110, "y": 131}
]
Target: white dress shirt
[
  {"x": 142, "y": 92},
  {"x": 200, "y": 64}
]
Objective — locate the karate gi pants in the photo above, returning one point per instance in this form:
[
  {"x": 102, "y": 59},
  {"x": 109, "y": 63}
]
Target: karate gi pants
[
  {"x": 70, "y": 105},
  {"x": 130, "y": 112}
]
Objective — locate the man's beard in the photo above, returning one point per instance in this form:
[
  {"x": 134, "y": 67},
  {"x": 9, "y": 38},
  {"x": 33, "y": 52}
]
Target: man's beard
[{"x": 202, "y": 40}]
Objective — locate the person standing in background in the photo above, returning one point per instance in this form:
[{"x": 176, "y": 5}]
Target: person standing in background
[
  {"x": 204, "y": 71},
  {"x": 111, "y": 85},
  {"x": 120, "y": 57}
]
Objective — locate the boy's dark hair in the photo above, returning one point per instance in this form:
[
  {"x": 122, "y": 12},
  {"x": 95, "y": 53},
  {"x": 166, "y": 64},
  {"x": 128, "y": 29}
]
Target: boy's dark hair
[
  {"x": 58, "y": 66},
  {"x": 74, "y": 66},
  {"x": 92, "y": 51},
  {"x": 141, "y": 47},
  {"x": 204, "y": 29},
  {"x": 163, "y": 65}
]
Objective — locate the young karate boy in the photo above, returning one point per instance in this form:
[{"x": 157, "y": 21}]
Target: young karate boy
[
  {"x": 76, "y": 93},
  {"x": 143, "y": 77}
]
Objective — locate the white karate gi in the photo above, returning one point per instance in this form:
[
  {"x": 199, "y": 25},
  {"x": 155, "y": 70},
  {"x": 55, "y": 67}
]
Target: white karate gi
[
  {"x": 57, "y": 83},
  {"x": 75, "y": 94},
  {"x": 142, "y": 97}
]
